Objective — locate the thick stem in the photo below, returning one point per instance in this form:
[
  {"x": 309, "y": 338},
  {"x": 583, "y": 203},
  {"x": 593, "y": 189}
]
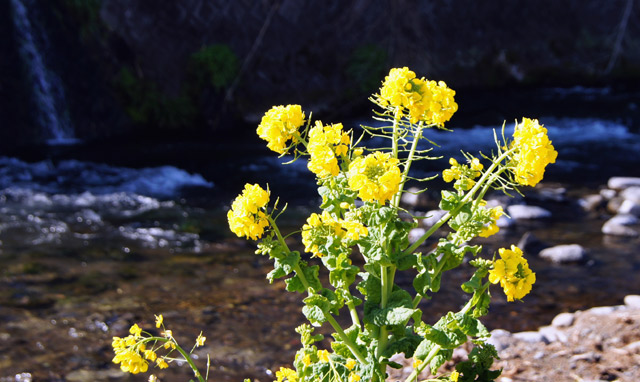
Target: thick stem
[
  {"x": 343, "y": 336},
  {"x": 354, "y": 314}
]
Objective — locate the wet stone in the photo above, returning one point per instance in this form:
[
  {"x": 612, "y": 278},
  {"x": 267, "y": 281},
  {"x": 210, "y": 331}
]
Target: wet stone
[
  {"x": 632, "y": 301},
  {"x": 568, "y": 253},
  {"x": 432, "y": 217},
  {"x": 563, "y": 320},
  {"x": 622, "y": 182},
  {"x": 619, "y": 226},
  {"x": 500, "y": 339},
  {"x": 530, "y": 337},
  {"x": 525, "y": 212},
  {"x": 631, "y": 194}
]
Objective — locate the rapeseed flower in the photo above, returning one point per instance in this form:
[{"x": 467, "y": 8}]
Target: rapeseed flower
[
  {"x": 246, "y": 216},
  {"x": 376, "y": 177},
  {"x": 492, "y": 228},
  {"x": 279, "y": 125},
  {"x": 286, "y": 374},
  {"x": 533, "y": 152},
  {"x": 317, "y": 231},
  {"x": 513, "y": 273},
  {"x": 326, "y": 143}
]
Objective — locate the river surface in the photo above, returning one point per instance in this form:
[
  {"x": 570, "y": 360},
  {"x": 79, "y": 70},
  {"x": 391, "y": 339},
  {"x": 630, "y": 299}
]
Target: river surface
[{"x": 89, "y": 246}]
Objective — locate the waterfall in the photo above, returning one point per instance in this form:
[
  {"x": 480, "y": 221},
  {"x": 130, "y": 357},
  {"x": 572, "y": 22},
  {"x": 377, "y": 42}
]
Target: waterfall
[{"x": 47, "y": 88}]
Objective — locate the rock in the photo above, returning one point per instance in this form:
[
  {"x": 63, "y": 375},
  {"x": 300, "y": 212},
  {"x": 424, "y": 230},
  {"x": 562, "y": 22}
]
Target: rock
[
  {"x": 414, "y": 197},
  {"x": 608, "y": 193},
  {"x": 416, "y": 234},
  {"x": 619, "y": 226},
  {"x": 632, "y": 301},
  {"x": 567, "y": 253},
  {"x": 629, "y": 207},
  {"x": 505, "y": 222},
  {"x": 500, "y": 339},
  {"x": 432, "y": 217},
  {"x": 95, "y": 375},
  {"x": 552, "y": 194},
  {"x": 632, "y": 194},
  {"x": 587, "y": 357},
  {"x": 592, "y": 202},
  {"x": 522, "y": 211},
  {"x": 563, "y": 320},
  {"x": 603, "y": 310},
  {"x": 530, "y": 337},
  {"x": 622, "y": 182},
  {"x": 553, "y": 334},
  {"x": 531, "y": 244},
  {"x": 633, "y": 347},
  {"x": 613, "y": 205}
]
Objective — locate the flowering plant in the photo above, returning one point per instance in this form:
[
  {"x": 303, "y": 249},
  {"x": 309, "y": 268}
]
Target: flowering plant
[{"x": 360, "y": 215}]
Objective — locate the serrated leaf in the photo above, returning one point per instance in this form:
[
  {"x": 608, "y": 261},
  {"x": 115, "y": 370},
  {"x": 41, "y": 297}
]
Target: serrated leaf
[
  {"x": 443, "y": 356},
  {"x": 449, "y": 200}
]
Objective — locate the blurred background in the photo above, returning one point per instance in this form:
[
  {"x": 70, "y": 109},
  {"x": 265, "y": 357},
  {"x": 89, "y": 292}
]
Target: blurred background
[{"x": 127, "y": 127}]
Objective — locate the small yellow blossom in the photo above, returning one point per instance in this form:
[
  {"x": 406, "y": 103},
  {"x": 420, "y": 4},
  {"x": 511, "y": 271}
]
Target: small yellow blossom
[
  {"x": 454, "y": 376},
  {"x": 417, "y": 363},
  {"x": 353, "y": 377},
  {"x": 246, "y": 218},
  {"x": 533, "y": 153},
  {"x": 306, "y": 360},
  {"x": 279, "y": 125},
  {"x": 200, "y": 340},
  {"x": 376, "y": 177},
  {"x": 317, "y": 230},
  {"x": 135, "y": 330},
  {"x": 161, "y": 363},
  {"x": 130, "y": 361},
  {"x": 150, "y": 355},
  {"x": 159, "y": 320},
  {"x": 286, "y": 374},
  {"x": 513, "y": 273},
  {"x": 323, "y": 355},
  {"x": 351, "y": 363}
]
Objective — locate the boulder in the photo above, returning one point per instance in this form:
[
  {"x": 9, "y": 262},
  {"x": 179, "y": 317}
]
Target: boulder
[
  {"x": 525, "y": 212},
  {"x": 632, "y": 194},
  {"x": 592, "y": 202},
  {"x": 568, "y": 253},
  {"x": 632, "y": 301},
  {"x": 563, "y": 320},
  {"x": 629, "y": 207}
]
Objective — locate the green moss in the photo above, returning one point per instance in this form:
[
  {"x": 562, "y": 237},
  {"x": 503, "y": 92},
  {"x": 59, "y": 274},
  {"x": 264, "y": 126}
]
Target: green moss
[{"x": 215, "y": 65}]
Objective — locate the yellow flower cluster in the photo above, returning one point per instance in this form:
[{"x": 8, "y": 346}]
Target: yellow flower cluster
[
  {"x": 376, "y": 177},
  {"x": 286, "y": 375},
  {"x": 533, "y": 153},
  {"x": 463, "y": 174},
  {"x": 132, "y": 354},
  {"x": 513, "y": 273},
  {"x": 428, "y": 101},
  {"x": 279, "y": 125},
  {"x": 246, "y": 216},
  {"x": 492, "y": 228},
  {"x": 319, "y": 228},
  {"x": 326, "y": 143}
]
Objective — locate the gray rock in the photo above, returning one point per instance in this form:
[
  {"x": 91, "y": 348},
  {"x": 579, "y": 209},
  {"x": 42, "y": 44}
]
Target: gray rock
[
  {"x": 552, "y": 194},
  {"x": 521, "y": 211},
  {"x": 603, "y": 310},
  {"x": 414, "y": 197},
  {"x": 530, "y": 337},
  {"x": 500, "y": 339},
  {"x": 566, "y": 253},
  {"x": 633, "y": 347},
  {"x": 432, "y": 217},
  {"x": 416, "y": 234},
  {"x": 629, "y": 207},
  {"x": 608, "y": 193},
  {"x": 553, "y": 334},
  {"x": 563, "y": 320},
  {"x": 505, "y": 222},
  {"x": 613, "y": 205},
  {"x": 632, "y": 301},
  {"x": 619, "y": 226},
  {"x": 592, "y": 202},
  {"x": 622, "y": 182},
  {"x": 632, "y": 194}
]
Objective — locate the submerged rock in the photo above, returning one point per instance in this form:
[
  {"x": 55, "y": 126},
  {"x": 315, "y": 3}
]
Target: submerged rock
[
  {"x": 619, "y": 225},
  {"x": 622, "y": 182},
  {"x": 525, "y": 212}
]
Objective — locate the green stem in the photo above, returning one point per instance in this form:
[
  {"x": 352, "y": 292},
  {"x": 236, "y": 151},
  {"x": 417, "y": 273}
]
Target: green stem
[
  {"x": 273, "y": 225},
  {"x": 470, "y": 194},
  {"x": 354, "y": 313},
  {"x": 407, "y": 166},
  {"x": 183, "y": 353},
  {"x": 343, "y": 336},
  {"x": 414, "y": 374}
]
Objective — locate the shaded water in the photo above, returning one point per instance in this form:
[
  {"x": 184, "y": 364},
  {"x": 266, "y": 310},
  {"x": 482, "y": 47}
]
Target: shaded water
[{"x": 87, "y": 250}]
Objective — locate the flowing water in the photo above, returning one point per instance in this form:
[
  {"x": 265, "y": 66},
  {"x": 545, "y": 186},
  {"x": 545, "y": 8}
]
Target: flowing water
[{"x": 87, "y": 249}]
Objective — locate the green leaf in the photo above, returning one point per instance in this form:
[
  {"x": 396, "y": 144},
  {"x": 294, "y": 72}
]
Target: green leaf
[
  {"x": 475, "y": 282},
  {"x": 471, "y": 326},
  {"x": 399, "y": 310},
  {"x": 449, "y": 201},
  {"x": 443, "y": 356},
  {"x": 294, "y": 284},
  {"x": 315, "y": 309}
]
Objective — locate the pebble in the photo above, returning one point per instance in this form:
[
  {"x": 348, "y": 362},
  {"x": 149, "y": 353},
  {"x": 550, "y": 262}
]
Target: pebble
[
  {"x": 522, "y": 211},
  {"x": 622, "y": 182},
  {"x": 499, "y": 339},
  {"x": 414, "y": 197},
  {"x": 563, "y": 320},
  {"x": 608, "y": 193},
  {"x": 566, "y": 253},
  {"x": 552, "y": 334},
  {"x": 531, "y": 337},
  {"x": 603, "y": 310},
  {"x": 632, "y": 301},
  {"x": 591, "y": 202}
]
